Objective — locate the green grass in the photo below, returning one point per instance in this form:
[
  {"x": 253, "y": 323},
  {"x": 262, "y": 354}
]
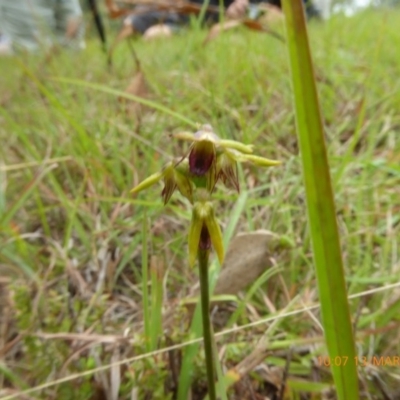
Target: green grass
[{"x": 71, "y": 235}]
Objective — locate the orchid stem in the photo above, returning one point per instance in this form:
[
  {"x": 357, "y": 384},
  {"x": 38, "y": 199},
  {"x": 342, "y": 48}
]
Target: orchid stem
[{"x": 207, "y": 331}]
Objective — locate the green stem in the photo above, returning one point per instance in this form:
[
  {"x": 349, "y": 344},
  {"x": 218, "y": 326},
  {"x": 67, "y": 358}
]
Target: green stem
[{"x": 205, "y": 307}]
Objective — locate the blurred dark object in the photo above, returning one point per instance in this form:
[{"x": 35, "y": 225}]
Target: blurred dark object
[{"x": 98, "y": 22}]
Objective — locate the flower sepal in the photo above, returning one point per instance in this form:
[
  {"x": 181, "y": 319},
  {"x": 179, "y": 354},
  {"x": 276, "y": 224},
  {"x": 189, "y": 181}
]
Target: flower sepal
[{"x": 149, "y": 181}]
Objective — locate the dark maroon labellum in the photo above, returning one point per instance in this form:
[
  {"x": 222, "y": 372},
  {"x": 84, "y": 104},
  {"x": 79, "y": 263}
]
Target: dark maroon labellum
[
  {"x": 201, "y": 158},
  {"x": 205, "y": 239}
]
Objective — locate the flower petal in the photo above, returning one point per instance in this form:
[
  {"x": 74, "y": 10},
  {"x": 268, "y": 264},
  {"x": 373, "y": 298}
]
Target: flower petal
[
  {"x": 182, "y": 179},
  {"x": 215, "y": 234},
  {"x": 184, "y": 184},
  {"x": 169, "y": 182},
  {"x": 167, "y": 192},
  {"x": 227, "y": 170},
  {"x": 196, "y": 225}
]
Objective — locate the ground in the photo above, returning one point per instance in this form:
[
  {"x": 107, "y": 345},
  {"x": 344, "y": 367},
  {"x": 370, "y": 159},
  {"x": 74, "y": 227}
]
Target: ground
[{"x": 72, "y": 256}]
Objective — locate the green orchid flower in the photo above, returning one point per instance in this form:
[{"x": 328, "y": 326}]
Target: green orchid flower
[
  {"x": 204, "y": 230},
  {"x": 209, "y": 160}
]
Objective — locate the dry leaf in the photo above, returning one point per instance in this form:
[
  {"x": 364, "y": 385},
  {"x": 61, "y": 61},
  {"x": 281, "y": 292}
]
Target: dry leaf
[
  {"x": 248, "y": 256},
  {"x": 260, "y": 27},
  {"x": 115, "y": 374},
  {"x": 248, "y": 23},
  {"x": 138, "y": 87},
  {"x": 272, "y": 376},
  {"x": 221, "y": 27}
]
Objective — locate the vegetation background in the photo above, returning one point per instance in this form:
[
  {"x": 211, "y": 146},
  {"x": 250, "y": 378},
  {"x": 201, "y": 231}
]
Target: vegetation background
[{"x": 72, "y": 257}]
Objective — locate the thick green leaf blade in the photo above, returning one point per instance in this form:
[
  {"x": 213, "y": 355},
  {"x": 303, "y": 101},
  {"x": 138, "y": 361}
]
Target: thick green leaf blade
[{"x": 320, "y": 204}]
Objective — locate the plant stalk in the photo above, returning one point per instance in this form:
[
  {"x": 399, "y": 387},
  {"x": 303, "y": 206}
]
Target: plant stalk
[{"x": 207, "y": 331}]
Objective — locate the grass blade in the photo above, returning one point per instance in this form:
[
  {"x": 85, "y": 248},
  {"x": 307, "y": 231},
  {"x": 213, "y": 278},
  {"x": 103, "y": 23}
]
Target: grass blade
[
  {"x": 25, "y": 193},
  {"x": 320, "y": 205},
  {"x": 148, "y": 103},
  {"x": 145, "y": 288},
  {"x": 157, "y": 276}
]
